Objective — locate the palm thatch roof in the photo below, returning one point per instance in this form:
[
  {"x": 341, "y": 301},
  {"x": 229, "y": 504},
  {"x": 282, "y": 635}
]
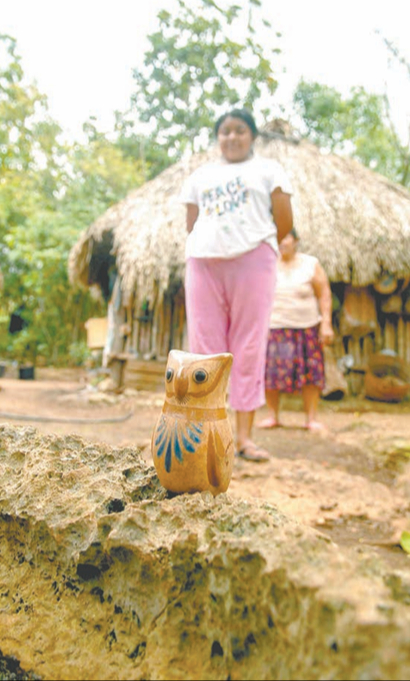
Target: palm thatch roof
[{"x": 355, "y": 221}]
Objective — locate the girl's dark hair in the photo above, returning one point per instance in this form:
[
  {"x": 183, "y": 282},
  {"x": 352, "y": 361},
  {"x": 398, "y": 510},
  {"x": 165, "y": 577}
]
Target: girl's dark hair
[
  {"x": 294, "y": 233},
  {"x": 244, "y": 116}
]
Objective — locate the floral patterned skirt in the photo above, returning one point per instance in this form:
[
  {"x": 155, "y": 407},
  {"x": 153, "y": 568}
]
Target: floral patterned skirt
[{"x": 294, "y": 359}]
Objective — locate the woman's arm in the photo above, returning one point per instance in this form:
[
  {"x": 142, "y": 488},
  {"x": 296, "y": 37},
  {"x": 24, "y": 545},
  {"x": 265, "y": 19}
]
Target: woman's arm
[
  {"x": 281, "y": 212},
  {"x": 323, "y": 293},
  {"x": 192, "y": 212}
]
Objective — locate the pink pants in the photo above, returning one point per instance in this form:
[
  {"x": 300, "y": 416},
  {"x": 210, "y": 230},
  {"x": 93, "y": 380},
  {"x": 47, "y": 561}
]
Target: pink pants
[{"x": 228, "y": 306}]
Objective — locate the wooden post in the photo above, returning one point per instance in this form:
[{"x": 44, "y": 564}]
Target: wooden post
[
  {"x": 355, "y": 375},
  {"x": 401, "y": 338},
  {"x": 117, "y": 372},
  {"x": 354, "y": 349},
  {"x": 128, "y": 328},
  {"x": 368, "y": 349},
  {"x": 117, "y": 319},
  {"x": 407, "y": 357},
  {"x": 378, "y": 337},
  {"x": 155, "y": 330},
  {"x": 390, "y": 339}
]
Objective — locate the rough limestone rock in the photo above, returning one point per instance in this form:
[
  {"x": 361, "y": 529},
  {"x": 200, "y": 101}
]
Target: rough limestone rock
[{"x": 104, "y": 576}]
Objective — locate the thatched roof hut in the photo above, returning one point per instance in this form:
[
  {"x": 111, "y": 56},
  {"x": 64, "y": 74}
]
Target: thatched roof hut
[{"x": 355, "y": 221}]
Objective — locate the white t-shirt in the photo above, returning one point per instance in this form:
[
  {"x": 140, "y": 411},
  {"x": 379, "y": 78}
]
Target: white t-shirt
[
  {"x": 234, "y": 201},
  {"x": 295, "y": 305}
]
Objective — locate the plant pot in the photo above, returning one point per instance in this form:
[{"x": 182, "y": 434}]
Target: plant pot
[{"x": 26, "y": 373}]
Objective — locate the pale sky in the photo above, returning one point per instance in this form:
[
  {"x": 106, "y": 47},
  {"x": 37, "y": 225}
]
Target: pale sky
[{"x": 81, "y": 53}]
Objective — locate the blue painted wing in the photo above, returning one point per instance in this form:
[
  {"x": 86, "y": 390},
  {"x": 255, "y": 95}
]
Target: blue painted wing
[{"x": 174, "y": 438}]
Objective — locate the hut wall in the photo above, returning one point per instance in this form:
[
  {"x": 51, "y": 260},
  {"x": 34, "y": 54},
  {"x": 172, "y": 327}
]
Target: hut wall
[
  {"x": 365, "y": 323},
  {"x": 144, "y": 375},
  {"x": 391, "y": 332},
  {"x": 154, "y": 332},
  {"x": 369, "y": 322}
]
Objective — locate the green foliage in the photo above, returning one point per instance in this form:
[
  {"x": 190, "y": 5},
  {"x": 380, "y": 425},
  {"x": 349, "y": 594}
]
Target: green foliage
[
  {"x": 49, "y": 192},
  {"x": 405, "y": 541},
  {"x": 100, "y": 175},
  {"x": 358, "y": 125},
  {"x": 30, "y": 154},
  {"x": 79, "y": 353},
  {"x": 152, "y": 156},
  {"x": 196, "y": 68},
  {"x": 37, "y": 284}
]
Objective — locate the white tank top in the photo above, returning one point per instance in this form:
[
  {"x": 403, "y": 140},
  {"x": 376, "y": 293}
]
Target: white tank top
[{"x": 295, "y": 305}]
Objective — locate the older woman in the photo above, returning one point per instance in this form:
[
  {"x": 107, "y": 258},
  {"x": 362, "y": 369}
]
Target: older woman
[{"x": 300, "y": 324}]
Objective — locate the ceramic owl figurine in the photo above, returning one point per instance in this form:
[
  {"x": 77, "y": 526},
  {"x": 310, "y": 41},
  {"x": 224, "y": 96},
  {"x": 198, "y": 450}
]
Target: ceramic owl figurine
[{"x": 192, "y": 444}]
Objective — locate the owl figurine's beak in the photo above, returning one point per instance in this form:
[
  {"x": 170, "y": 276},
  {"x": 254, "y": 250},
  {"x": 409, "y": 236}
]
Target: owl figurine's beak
[{"x": 181, "y": 383}]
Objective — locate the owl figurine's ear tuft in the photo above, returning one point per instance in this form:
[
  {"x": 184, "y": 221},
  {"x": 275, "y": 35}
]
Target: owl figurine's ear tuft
[
  {"x": 177, "y": 355},
  {"x": 228, "y": 357}
]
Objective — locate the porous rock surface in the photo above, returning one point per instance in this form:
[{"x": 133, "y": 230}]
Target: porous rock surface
[{"x": 104, "y": 576}]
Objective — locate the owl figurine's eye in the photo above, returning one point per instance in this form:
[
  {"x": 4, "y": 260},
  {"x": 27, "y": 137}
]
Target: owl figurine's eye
[
  {"x": 200, "y": 376},
  {"x": 168, "y": 375}
]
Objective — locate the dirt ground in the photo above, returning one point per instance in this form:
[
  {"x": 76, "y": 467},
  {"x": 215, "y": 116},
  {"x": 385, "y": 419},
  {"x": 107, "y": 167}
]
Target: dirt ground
[{"x": 351, "y": 482}]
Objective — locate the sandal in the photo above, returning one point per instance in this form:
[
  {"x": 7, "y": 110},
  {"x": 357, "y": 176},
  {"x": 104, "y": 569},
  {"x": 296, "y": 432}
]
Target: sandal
[
  {"x": 268, "y": 423},
  {"x": 315, "y": 426},
  {"x": 252, "y": 452}
]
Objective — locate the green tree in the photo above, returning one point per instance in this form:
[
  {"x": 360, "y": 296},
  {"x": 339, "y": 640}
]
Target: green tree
[
  {"x": 38, "y": 288},
  {"x": 358, "y": 125},
  {"x": 153, "y": 157},
  {"x": 36, "y": 250},
  {"x": 49, "y": 192},
  {"x": 31, "y": 176},
  {"x": 100, "y": 174},
  {"x": 403, "y": 150},
  {"x": 197, "y": 66},
  {"x": 30, "y": 153}
]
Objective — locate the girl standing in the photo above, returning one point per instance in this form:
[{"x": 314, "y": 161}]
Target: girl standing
[{"x": 238, "y": 209}]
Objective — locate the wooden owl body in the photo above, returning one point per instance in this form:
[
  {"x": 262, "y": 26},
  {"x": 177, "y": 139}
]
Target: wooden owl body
[{"x": 192, "y": 444}]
